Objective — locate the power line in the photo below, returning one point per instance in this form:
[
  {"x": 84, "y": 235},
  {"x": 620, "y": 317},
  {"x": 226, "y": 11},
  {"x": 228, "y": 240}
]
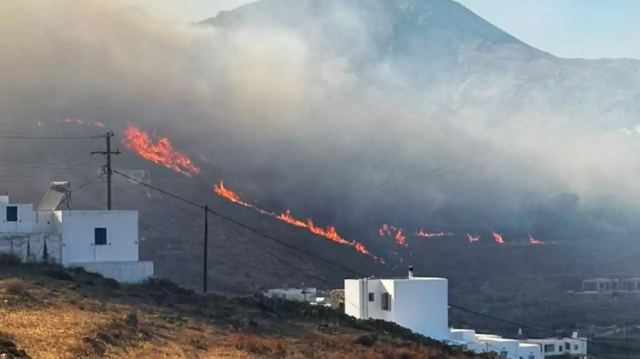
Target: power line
[
  {"x": 82, "y": 186},
  {"x": 240, "y": 224},
  {"x": 346, "y": 269},
  {"x": 28, "y": 137}
]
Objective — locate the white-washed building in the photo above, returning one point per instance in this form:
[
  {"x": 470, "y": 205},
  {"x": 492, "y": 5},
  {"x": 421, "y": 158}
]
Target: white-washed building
[
  {"x": 104, "y": 242},
  {"x": 421, "y": 304},
  {"x": 417, "y": 303},
  {"x": 574, "y": 347},
  {"x": 295, "y": 294}
]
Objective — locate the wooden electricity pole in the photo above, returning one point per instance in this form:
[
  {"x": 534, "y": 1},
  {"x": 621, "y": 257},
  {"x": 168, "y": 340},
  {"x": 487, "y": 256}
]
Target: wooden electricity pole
[
  {"x": 206, "y": 249},
  {"x": 107, "y": 167}
]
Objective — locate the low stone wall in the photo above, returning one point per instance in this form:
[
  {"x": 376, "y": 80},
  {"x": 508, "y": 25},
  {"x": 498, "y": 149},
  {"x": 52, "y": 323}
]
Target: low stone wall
[
  {"x": 124, "y": 272},
  {"x": 30, "y": 248}
]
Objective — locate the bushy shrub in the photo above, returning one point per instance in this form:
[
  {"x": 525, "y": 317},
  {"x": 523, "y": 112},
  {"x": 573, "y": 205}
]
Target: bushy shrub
[{"x": 9, "y": 260}]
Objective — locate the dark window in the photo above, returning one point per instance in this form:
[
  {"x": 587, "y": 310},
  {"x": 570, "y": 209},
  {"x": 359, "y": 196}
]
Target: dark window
[
  {"x": 575, "y": 347},
  {"x": 504, "y": 354},
  {"x": 371, "y": 297},
  {"x": 559, "y": 348},
  {"x": 548, "y": 348},
  {"x": 100, "y": 236},
  {"x": 567, "y": 346},
  {"x": 12, "y": 214},
  {"x": 385, "y": 300}
]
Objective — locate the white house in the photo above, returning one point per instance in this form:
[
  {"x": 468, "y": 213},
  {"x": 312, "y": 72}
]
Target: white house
[
  {"x": 421, "y": 304},
  {"x": 295, "y": 294},
  {"x": 417, "y": 303},
  {"x": 573, "y": 347},
  {"x": 104, "y": 242}
]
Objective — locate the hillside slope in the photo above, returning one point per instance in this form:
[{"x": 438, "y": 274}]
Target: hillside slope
[{"x": 49, "y": 312}]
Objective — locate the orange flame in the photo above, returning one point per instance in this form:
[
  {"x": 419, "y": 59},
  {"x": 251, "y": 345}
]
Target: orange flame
[
  {"x": 472, "y": 238},
  {"x": 159, "y": 151},
  {"x": 330, "y": 232},
  {"x": 393, "y": 232},
  {"x": 498, "y": 238},
  {"x": 534, "y": 241},
  {"x": 228, "y": 194},
  {"x": 424, "y": 234},
  {"x": 288, "y": 218},
  {"x": 401, "y": 240}
]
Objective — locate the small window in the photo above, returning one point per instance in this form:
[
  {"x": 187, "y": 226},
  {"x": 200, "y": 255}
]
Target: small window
[
  {"x": 531, "y": 356},
  {"x": 567, "y": 346},
  {"x": 100, "y": 236},
  {"x": 371, "y": 297},
  {"x": 559, "y": 348},
  {"x": 12, "y": 214},
  {"x": 575, "y": 347},
  {"x": 548, "y": 348},
  {"x": 385, "y": 300},
  {"x": 504, "y": 354}
]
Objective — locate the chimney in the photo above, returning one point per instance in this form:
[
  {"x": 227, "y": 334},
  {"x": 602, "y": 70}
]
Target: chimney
[{"x": 410, "y": 272}]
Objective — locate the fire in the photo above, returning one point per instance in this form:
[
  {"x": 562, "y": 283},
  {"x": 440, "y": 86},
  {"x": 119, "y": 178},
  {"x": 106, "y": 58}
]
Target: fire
[
  {"x": 472, "y": 238},
  {"x": 498, "y": 238},
  {"x": 330, "y": 232},
  {"x": 424, "y": 234},
  {"x": 288, "y": 218},
  {"x": 228, "y": 194},
  {"x": 401, "y": 240},
  {"x": 534, "y": 241},
  {"x": 159, "y": 150},
  {"x": 385, "y": 230},
  {"x": 393, "y": 232}
]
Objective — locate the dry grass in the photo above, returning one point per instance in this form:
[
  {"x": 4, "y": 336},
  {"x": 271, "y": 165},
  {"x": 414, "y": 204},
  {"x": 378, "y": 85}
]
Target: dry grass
[{"x": 78, "y": 315}]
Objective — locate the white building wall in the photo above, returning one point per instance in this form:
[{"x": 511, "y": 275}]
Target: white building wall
[
  {"x": 125, "y": 272},
  {"x": 24, "y": 224},
  {"x": 78, "y": 239},
  {"x": 421, "y": 304},
  {"x": 353, "y": 298},
  {"x": 43, "y": 222}
]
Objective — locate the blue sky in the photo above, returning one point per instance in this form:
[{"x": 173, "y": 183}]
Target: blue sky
[{"x": 567, "y": 28}]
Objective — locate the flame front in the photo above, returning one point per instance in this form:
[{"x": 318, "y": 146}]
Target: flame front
[
  {"x": 393, "y": 232},
  {"x": 498, "y": 238},
  {"x": 228, "y": 194},
  {"x": 424, "y": 234},
  {"x": 288, "y": 218},
  {"x": 330, "y": 232},
  {"x": 472, "y": 238},
  {"x": 534, "y": 241},
  {"x": 159, "y": 151}
]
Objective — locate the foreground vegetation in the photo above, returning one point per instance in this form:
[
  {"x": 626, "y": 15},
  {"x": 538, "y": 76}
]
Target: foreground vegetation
[{"x": 50, "y": 312}]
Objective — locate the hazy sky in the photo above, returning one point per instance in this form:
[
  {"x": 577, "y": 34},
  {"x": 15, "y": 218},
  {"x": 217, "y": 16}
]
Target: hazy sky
[{"x": 567, "y": 28}]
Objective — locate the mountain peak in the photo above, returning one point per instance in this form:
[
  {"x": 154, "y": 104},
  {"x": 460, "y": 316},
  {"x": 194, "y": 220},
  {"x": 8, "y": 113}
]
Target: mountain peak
[{"x": 425, "y": 29}]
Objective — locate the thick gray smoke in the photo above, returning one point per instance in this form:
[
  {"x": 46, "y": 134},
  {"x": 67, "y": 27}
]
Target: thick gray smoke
[{"x": 415, "y": 113}]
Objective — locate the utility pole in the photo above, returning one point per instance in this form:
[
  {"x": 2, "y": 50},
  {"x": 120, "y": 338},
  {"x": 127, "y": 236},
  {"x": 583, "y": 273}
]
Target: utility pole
[
  {"x": 626, "y": 338},
  {"x": 206, "y": 249},
  {"x": 107, "y": 167}
]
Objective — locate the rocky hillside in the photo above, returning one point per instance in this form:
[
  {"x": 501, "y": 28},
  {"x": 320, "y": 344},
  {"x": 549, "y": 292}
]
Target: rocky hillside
[{"x": 50, "y": 312}]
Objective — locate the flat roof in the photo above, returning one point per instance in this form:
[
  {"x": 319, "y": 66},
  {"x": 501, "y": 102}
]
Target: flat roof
[{"x": 402, "y": 278}]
